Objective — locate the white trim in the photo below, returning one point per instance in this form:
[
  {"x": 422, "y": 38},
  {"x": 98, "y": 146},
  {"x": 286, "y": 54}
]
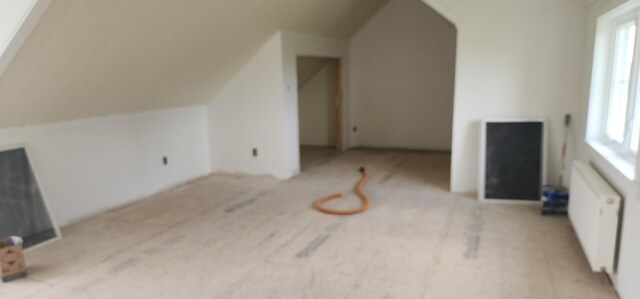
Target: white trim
[
  {"x": 632, "y": 92},
  {"x": 621, "y": 164},
  {"x": 618, "y": 155},
  {"x": 56, "y": 228},
  {"x": 513, "y": 201},
  {"x": 482, "y": 165}
]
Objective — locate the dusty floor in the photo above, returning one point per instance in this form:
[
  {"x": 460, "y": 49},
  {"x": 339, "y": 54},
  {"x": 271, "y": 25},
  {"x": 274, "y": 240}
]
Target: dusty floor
[{"x": 228, "y": 236}]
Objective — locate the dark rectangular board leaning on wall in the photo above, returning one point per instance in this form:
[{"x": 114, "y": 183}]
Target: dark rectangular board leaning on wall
[
  {"x": 512, "y": 160},
  {"x": 23, "y": 210}
]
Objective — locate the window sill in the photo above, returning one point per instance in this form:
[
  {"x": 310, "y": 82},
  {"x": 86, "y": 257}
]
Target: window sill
[{"x": 625, "y": 167}]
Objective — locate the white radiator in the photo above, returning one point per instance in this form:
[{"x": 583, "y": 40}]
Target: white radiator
[{"x": 594, "y": 212}]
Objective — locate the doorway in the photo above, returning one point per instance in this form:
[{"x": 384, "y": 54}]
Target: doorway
[{"x": 320, "y": 102}]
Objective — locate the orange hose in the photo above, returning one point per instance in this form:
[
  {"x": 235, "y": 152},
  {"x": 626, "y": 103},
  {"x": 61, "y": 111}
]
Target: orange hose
[{"x": 366, "y": 201}]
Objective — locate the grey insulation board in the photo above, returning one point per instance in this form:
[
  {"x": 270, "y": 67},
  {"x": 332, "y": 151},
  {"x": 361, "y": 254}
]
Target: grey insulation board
[
  {"x": 513, "y": 160},
  {"x": 23, "y": 211}
]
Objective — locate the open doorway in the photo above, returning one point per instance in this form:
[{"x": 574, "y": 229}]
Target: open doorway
[
  {"x": 399, "y": 78},
  {"x": 402, "y": 81},
  {"x": 320, "y": 97}
]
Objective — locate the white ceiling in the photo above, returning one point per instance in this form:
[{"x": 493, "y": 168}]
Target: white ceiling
[{"x": 99, "y": 57}]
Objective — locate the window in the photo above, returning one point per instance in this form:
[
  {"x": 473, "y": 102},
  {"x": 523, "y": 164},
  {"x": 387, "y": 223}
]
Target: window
[
  {"x": 614, "y": 113},
  {"x": 622, "y": 98}
]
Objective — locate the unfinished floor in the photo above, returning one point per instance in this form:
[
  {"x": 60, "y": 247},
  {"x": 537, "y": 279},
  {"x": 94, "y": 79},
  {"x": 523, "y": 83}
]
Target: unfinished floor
[{"x": 232, "y": 236}]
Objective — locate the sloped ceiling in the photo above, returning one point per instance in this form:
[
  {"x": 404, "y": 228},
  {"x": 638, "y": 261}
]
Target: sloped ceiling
[
  {"x": 91, "y": 58},
  {"x": 309, "y": 67}
]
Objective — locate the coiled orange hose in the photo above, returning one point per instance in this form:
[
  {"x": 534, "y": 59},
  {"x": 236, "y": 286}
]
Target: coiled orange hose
[{"x": 366, "y": 201}]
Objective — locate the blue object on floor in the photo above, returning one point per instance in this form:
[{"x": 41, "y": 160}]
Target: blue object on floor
[{"x": 555, "y": 200}]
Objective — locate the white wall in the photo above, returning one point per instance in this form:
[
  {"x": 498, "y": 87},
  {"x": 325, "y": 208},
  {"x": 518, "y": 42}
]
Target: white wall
[
  {"x": 88, "y": 166},
  {"x": 317, "y": 109},
  {"x": 626, "y": 279},
  {"x": 403, "y": 68},
  {"x": 295, "y": 45},
  {"x": 515, "y": 59},
  {"x": 249, "y": 113}
]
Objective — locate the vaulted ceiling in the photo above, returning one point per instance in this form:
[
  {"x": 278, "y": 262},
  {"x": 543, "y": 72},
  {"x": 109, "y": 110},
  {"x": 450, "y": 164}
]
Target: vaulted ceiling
[
  {"x": 91, "y": 58},
  {"x": 309, "y": 67}
]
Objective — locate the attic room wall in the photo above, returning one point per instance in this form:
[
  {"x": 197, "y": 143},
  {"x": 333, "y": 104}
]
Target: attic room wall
[
  {"x": 403, "y": 69},
  {"x": 248, "y": 114},
  {"x": 91, "y": 165},
  {"x": 259, "y": 108},
  {"x": 626, "y": 279},
  {"x": 515, "y": 59}
]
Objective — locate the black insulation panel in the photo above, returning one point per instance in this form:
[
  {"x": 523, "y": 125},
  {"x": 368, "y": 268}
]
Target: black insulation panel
[
  {"x": 513, "y": 160},
  {"x": 23, "y": 212}
]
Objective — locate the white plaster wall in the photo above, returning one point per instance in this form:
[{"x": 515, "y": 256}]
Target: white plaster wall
[
  {"x": 317, "y": 109},
  {"x": 403, "y": 68},
  {"x": 514, "y": 59},
  {"x": 91, "y": 165},
  {"x": 248, "y": 114},
  {"x": 295, "y": 45},
  {"x": 259, "y": 108},
  {"x": 626, "y": 278}
]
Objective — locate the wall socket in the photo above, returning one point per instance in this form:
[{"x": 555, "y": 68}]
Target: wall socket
[{"x": 254, "y": 152}]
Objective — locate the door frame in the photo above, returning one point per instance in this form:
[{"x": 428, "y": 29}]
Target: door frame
[{"x": 338, "y": 99}]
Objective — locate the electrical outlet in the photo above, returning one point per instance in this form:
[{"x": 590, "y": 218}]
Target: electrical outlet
[
  {"x": 165, "y": 160},
  {"x": 255, "y": 152}
]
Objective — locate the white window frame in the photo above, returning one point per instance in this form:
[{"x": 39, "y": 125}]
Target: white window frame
[
  {"x": 624, "y": 148},
  {"x": 620, "y": 155}
]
